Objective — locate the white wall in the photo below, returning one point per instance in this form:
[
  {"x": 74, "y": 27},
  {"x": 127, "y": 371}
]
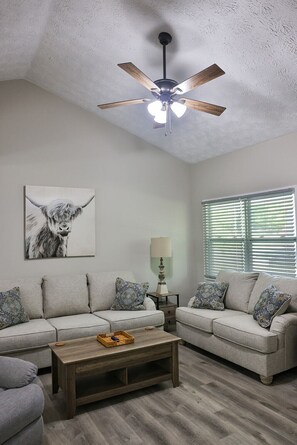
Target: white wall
[
  {"x": 141, "y": 192},
  {"x": 264, "y": 166}
]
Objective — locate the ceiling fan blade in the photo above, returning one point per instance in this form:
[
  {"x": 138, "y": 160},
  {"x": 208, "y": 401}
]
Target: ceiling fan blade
[
  {"x": 123, "y": 102},
  {"x": 138, "y": 75},
  {"x": 210, "y": 73},
  {"x": 203, "y": 106}
]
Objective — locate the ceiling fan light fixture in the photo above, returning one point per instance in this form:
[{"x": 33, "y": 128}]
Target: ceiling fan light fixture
[
  {"x": 161, "y": 117},
  {"x": 154, "y": 107},
  {"x": 178, "y": 109}
]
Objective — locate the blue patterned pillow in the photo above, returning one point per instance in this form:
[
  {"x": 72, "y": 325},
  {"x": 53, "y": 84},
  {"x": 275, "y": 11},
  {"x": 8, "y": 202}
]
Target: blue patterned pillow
[
  {"x": 129, "y": 296},
  {"x": 210, "y": 296},
  {"x": 272, "y": 302},
  {"x": 11, "y": 309}
]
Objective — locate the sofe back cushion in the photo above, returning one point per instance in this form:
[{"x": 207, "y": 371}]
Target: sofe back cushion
[
  {"x": 30, "y": 294},
  {"x": 240, "y": 288},
  {"x": 65, "y": 295},
  {"x": 283, "y": 284},
  {"x": 102, "y": 288}
]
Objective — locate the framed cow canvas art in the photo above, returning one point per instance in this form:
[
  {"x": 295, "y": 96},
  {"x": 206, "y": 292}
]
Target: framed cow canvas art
[{"x": 59, "y": 222}]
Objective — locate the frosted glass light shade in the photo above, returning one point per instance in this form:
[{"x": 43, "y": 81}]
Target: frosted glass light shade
[
  {"x": 178, "y": 109},
  {"x": 154, "y": 107},
  {"x": 161, "y": 117},
  {"x": 161, "y": 247}
]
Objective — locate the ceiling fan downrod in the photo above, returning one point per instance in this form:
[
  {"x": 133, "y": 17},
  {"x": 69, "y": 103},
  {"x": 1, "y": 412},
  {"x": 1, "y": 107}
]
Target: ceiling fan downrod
[{"x": 164, "y": 38}]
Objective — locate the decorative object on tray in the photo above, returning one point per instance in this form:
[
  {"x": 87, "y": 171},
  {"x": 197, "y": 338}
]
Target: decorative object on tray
[{"x": 117, "y": 338}]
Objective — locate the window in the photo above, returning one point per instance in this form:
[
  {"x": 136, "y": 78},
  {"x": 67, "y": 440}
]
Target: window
[{"x": 251, "y": 233}]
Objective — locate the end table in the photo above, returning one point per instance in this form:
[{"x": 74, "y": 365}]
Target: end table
[{"x": 166, "y": 306}]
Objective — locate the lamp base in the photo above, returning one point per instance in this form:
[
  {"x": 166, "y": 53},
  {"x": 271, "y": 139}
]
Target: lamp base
[{"x": 162, "y": 289}]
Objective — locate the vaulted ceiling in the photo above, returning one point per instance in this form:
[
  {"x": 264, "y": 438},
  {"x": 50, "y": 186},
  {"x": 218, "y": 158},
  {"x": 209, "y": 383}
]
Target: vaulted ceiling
[{"x": 72, "y": 47}]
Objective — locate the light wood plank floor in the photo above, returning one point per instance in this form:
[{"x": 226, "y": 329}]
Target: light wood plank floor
[{"x": 217, "y": 403}]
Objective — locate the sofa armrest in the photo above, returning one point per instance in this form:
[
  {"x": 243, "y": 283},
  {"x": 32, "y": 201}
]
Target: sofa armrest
[
  {"x": 281, "y": 323},
  {"x": 15, "y": 373},
  {"x": 149, "y": 304}
]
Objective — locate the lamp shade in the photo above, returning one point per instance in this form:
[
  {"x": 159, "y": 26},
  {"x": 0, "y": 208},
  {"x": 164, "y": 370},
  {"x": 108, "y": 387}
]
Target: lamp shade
[{"x": 161, "y": 247}]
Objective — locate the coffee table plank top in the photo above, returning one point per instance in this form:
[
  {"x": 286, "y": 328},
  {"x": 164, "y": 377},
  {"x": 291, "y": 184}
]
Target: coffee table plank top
[{"x": 87, "y": 348}]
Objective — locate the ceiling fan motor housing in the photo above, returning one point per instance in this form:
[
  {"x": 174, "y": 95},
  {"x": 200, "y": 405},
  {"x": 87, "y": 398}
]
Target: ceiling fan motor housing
[{"x": 166, "y": 86}]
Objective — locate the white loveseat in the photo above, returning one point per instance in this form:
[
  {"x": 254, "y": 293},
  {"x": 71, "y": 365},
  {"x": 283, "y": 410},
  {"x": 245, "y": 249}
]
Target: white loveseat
[
  {"x": 64, "y": 307},
  {"x": 234, "y": 334}
]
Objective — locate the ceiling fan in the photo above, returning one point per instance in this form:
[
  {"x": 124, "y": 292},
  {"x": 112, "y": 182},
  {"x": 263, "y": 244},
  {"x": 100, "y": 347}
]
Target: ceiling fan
[{"x": 167, "y": 93}]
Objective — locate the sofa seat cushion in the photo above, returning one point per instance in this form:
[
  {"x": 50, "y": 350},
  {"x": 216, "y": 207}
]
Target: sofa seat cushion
[
  {"x": 19, "y": 408},
  {"x": 34, "y": 334},
  {"x": 65, "y": 295},
  {"x": 30, "y": 293},
  {"x": 76, "y": 326},
  {"x": 202, "y": 318},
  {"x": 245, "y": 331},
  {"x": 102, "y": 288},
  {"x": 124, "y": 320}
]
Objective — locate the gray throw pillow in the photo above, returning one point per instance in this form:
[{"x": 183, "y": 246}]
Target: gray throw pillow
[
  {"x": 271, "y": 303},
  {"x": 11, "y": 309},
  {"x": 16, "y": 373},
  {"x": 210, "y": 296},
  {"x": 129, "y": 296}
]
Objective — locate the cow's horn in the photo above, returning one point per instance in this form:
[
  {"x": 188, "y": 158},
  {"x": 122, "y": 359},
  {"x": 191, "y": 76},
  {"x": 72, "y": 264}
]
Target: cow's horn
[
  {"x": 88, "y": 202},
  {"x": 34, "y": 202}
]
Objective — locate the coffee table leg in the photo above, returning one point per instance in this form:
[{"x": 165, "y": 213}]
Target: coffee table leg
[
  {"x": 175, "y": 365},
  {"x": 55, "y": 384},
  {"x": 70, "y": 391}
]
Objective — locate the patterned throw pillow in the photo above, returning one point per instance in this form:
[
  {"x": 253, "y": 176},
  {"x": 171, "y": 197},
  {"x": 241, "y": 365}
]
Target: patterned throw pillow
[
  {"x": 210, "y": 296},
  {"x": 129, "y": 296},
  {"x": 11, "y": 309},
  {"x": 272, "y": 302}
]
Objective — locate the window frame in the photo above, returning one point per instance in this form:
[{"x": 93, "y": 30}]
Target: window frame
[{"x": 245, "y": 260}]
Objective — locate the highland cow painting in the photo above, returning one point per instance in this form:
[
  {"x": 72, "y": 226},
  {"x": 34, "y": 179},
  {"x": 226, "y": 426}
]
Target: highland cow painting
[{"x": 59, "y": 222}]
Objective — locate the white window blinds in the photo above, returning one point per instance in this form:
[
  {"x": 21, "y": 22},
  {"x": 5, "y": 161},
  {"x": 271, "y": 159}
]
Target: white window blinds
[{"x": 251, "y": 233}]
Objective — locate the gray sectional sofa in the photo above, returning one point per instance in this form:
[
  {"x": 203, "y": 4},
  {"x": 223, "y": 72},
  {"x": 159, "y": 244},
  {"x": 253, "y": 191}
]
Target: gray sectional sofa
[
  {"x": 234, "y": 334},
  {"x": 21, "y": 403},
  {"x": 64, "y": 307}
]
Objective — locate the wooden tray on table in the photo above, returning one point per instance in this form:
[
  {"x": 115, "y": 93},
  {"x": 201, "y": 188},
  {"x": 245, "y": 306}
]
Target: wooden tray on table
[{"x": 117, "y": 338}]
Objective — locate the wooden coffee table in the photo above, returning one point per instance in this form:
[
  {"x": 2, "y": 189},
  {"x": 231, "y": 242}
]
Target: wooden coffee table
[{"x": 87, "y": 371}]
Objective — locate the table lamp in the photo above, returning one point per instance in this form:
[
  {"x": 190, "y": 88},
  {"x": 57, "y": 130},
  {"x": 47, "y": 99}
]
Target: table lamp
[{"x": 161, "y": 248}]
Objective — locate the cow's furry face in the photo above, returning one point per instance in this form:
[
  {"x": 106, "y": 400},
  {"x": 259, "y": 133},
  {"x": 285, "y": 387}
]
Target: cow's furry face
[{"x": 60, "y": 214}]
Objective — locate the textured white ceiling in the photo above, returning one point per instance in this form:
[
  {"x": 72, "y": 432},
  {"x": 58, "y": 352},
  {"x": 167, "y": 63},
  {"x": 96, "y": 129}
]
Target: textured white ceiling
[{"x": 71, "y": 48}]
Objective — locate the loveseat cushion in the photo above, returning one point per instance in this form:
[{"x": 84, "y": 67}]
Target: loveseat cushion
[
  {"x": 102, "y": 288},
  {"x": 12, "y": 311},
  {"x": 19, "y": 408},
  {"x": 210, "y": 296},
  {"x": 283, "y": 284},
  {"x": 34, "y": 334},
  {"x": 30, "y": 293},
  {"x": 271, "y": 303},
  {"x": 243, "y": 330},
  {"x": 65, "y": 295},
  {"x": 123, "y": 320},
  {"x": 202, "y": 318},
  {"x": 129, "y": 296},
  {"x": 239, "y": 290},
  {"x": 76, "y": 326}
]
